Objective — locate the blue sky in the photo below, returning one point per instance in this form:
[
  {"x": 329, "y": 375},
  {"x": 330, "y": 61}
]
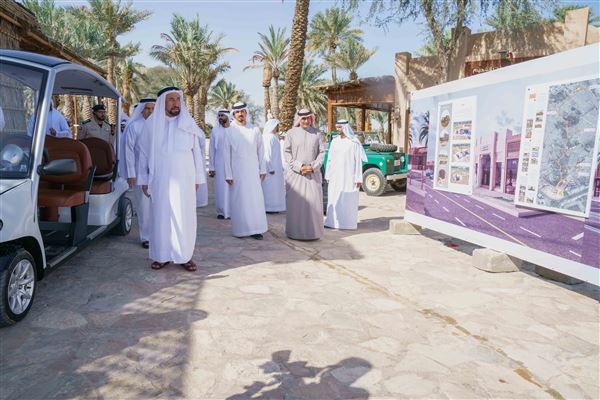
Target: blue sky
[{"x": 241, "y": 20}]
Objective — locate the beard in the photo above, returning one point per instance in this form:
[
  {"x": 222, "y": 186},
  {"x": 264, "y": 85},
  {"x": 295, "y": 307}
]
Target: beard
[{"x": 173, "y": 112}]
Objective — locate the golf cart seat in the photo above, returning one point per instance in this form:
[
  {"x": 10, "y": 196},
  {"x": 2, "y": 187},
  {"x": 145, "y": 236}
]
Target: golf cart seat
[
  {"x": 66, "y": 190},
  {"x": 103, "y": 157}
]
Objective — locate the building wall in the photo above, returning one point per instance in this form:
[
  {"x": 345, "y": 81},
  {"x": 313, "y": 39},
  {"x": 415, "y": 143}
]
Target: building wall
[{"x": 481, "y": 51}]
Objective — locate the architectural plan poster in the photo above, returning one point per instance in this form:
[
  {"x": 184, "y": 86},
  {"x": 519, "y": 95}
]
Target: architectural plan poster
[
  {"x": 559, "y": 146},
  {"x": 454, "y": 147},
  {"x": 563, "y": 236}
]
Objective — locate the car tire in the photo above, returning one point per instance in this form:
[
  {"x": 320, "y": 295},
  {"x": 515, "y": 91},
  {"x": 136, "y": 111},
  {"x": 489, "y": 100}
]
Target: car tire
[
  {"x": 373, "y": 182},
  {"x": 126, "y": 217},
  {"x": 399, "y": 186},
  {"x": 18, "y": 281},
  {"x": 383, "y": 148}
]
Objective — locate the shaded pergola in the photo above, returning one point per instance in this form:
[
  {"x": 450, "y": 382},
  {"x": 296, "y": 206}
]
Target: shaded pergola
[{"x": 375, "y": 94}]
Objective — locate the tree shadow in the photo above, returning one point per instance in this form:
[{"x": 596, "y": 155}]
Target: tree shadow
[{"x": 299, "y": 380}]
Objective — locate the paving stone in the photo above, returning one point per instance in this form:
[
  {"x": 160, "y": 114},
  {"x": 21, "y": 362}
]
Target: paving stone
[{"x": 492, "y": 261}]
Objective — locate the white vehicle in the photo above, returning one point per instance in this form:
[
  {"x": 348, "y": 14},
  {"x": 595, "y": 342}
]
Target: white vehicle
[{"x": 56, "y": 194}]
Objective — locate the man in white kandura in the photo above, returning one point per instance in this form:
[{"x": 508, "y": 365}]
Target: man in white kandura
[
  {"x": 344, "y": 175},
  {"x": 202, "y": 192},
  {"x": 244, "y": 171},
  {"x": 170, "y": 176},
  {"x": 132, "y": 142},
  {"x": 56, "y": 124},
  {"x": 216, "y": 163},
  {"x": 274, "y": 183}
]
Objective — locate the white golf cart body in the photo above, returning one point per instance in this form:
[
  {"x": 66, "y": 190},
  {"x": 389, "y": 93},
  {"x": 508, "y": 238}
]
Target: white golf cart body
[{"x": 32, "y": 79}]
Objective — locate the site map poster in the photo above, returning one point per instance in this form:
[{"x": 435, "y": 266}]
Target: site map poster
[
  {"x": 554, "y": 140},
  {"x": 454, "y": 147},
  {"x": 558, "y": 151}
]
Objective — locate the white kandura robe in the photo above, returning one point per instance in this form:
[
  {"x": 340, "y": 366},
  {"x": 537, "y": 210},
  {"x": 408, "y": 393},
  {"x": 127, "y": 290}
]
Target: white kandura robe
[
  {"x": 343, "y": 172},
  {"x": 274, "y": 184},
  {"x": 132, "y": 143},
  {"x": 202, "y": 192},
  {"x": 216, "y": 163},
  {"x": 244, "y": 162},
  {"x": 171, "y": 181}
]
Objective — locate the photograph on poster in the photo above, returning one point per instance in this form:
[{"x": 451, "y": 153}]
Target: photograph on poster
[
  {"x": 461, "y": 152},
  {"x": 459, "y": 175},
  {"x": 564, "y": 167},
  {"x": 455, "y": 131},
  {"x": 461, "y": 130},
  {"x": 502, "y": 120}
]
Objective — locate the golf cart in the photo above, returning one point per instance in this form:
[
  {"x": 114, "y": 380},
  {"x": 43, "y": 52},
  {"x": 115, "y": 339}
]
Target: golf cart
[
  {"x": 384, "y": 165},
  {"x": 56, "y": 194}
]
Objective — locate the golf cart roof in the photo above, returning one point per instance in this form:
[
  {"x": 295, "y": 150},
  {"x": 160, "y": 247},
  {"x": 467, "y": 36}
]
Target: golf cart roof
[{"x": 71, "y": 78}]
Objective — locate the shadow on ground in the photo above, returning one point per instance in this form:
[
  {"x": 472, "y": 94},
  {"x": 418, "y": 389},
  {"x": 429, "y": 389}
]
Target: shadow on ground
[{"x": 300, "y": 380}]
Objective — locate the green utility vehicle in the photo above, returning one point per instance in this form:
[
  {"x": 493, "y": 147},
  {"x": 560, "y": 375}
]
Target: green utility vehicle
[{"x": 384, "y": 164}]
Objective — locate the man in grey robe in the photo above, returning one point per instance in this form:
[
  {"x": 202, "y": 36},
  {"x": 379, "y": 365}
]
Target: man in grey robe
[{"x": 304, "y": 154}]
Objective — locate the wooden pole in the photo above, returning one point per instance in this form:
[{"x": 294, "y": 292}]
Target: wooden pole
[
  {"x": 363, "y": 120},
  {"x": 389, "y": 134},
  {"x": 330, "y": 121}
]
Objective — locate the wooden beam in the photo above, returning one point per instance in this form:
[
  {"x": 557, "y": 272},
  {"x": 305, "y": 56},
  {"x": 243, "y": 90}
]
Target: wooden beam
[
  {"x": 329, "y": 115},
  {"x": 363, "y": 113},
  {"x": 389, "y": 134}
]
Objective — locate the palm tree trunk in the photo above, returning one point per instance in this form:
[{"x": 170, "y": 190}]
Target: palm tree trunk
[
  {"x": 189, "y": 101},
  {"x": 86, "y": 108},
  {"x": 203, "y": 101},
  {"x": 112, "y": 103},
  {"x": 196, "y": 111},
  {"x": 267, "y": 100},
  {"x": 295, "y": 62},
  {"x": 333, "y": 73},
  {"x": 67, "y": 101},
  {"x": 275, "y": 98}
]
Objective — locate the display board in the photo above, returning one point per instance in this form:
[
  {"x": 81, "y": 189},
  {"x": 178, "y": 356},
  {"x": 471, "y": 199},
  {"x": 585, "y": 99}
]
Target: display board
[
  {"x": 559, "y": 146},
  {"x": 541, "y": 116},
  {"x": 454, "y": 147}
]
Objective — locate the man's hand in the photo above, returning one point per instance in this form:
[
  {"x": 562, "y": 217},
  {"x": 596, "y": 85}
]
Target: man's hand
[
  {"x": 131, "y": 182},
  {"x": 306, "y": 169},
  {"x": 229, "y": 181},
  {"x": 53, "y": 131},
  {"x": 145, "y": 190},
  {"x": 358, "y": 185},
  {"x": 211, "y": 174},
  {"x": 262, "y": 176}
]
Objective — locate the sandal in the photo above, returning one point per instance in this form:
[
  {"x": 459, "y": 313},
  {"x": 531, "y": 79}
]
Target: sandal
[
  {"x": 158, "y": 265},
  {"x": 190, "y": 266}
]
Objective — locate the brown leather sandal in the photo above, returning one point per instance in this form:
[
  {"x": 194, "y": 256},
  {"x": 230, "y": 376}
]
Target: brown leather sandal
[
  {"x": 190, "y": 266},
  {"x": 158, "y": 265}
]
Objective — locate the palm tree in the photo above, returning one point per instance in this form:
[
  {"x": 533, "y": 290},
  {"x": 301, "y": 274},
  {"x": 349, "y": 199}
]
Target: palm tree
[
  {"x": 309, "y": 92},
  {"x": 424, "y": 130},
  {"x": 212, "y": 67},
  {"x": 130, "y": 76},
  {"x": 183, "y": 53},
  {"x": 351, "y": 56},
  {"x": 295, "y": 62},
  {"x": 224, "y": 95},
  {"x": 381, "y": 117},
  {"x": 271, "y": 56},
  {"x": 113, "y": 18},
  {"x": 328, "y": 30}
]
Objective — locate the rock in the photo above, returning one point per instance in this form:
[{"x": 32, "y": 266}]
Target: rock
[
  {"x": 401, "y": 227},
  {"x": 492, "y": 261}
]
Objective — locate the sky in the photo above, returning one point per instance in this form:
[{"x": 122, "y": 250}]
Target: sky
[{"x": 241, "y": 20}]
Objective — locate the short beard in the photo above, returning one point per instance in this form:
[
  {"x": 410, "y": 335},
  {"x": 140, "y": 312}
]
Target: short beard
[{"x": 173, "y": 113}]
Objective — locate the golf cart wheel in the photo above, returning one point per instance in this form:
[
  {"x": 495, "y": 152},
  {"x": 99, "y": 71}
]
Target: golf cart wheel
[
  {"x": 126, "y": 217},
  {"x": 17, "y": 284},
  {"x": 373, "y": 182},
  {"x": 399, "y": 186},
  {"x": 384, "y": 148}
]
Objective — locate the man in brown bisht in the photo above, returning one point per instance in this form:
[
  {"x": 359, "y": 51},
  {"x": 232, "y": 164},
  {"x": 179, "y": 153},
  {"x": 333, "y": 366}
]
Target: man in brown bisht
[{"x": 304, "y": 152}]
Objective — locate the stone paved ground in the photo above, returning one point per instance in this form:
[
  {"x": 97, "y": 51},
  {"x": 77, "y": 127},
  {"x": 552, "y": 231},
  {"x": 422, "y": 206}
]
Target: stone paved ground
[{"x": 357, "y": 315}]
